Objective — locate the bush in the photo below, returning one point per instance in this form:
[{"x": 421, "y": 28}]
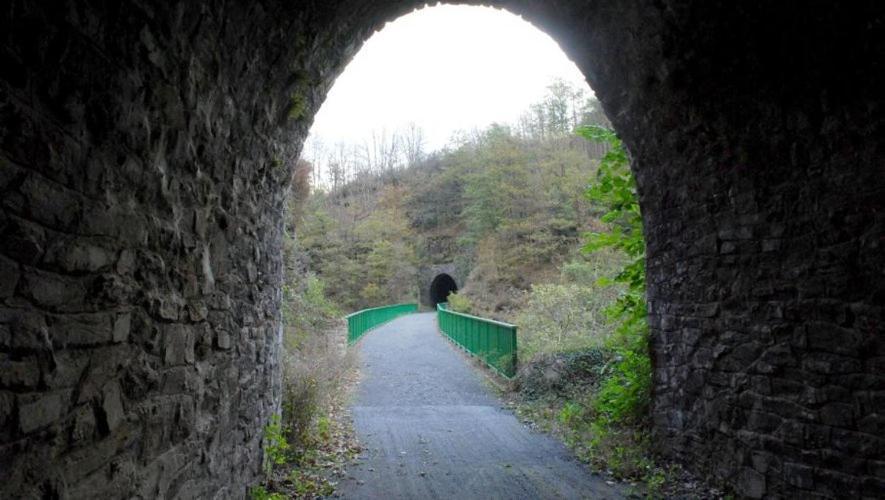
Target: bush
[
  {"x": 276, "y": 446},
  {"x": 301, "y": 395},
  {"x": 372, "y": 295},
  {"x": 460, "y": 303},
  {"x": 314, "y": 356},
  {"x": 561, "y": 318},
  {"x": 306, "y": 310},
  {"x": 259, "y": 492},
  {"x": 625, "y": 397},
  {"x": 607, "y": 423},
  {"x": 311, "y": 374},
  {"x": 586, "y": 270},
  {"x": 563, "y": 375}
]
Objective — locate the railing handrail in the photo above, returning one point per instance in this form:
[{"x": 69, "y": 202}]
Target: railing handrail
[
  {"x": 380, "y": 307},
  {"x": 364, "y": 320},
  {"x": 478, "y": 318},
  {"x": 481, "y": 340}
]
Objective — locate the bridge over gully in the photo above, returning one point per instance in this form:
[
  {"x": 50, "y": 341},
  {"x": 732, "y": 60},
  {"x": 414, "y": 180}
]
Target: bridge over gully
[
  {"x": 144, "y": 156},
  {"x": 430, "y": 428}
]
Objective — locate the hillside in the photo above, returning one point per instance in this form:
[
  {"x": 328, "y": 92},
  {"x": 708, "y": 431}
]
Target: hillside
[
  {"x": 505, "y": 204},
  {"x": 541, "y": 221}
]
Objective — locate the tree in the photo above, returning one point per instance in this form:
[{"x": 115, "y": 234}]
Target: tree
[{"x": 413, "y": 144}]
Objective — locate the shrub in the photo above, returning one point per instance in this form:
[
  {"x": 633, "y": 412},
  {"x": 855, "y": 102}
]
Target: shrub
[
  {"x": 276, "y": 447},
  {"x": 301, "y": 395},
  {"x": 624, "y": 396},
  {"x": 306, "y": 310},
  {"x": 562, "y": 317},
  {"x": 605, "y": 423},
  {"x": 587, "y": 269},
  {"x": 372, "y": 295},
  {"x": 459, "y": 303},
  {"x": 311, "y": 374},
  {"x": 566, "y": 375},
  {"x": 313, "y": 355},
  {"x": 259, "y": 492}
]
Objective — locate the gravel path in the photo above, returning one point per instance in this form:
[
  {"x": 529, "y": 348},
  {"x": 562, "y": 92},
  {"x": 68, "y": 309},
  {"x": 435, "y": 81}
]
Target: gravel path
[{"x": 430, "y": 429}]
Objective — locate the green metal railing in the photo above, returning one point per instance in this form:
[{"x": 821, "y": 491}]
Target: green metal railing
[
  {"x": 360, "y": 322},
  {"x": 492, "y": 341}
]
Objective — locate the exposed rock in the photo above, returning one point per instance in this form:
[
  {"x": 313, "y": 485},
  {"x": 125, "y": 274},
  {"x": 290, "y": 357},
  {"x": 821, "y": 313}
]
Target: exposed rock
[{"x": 36, "y": 411}]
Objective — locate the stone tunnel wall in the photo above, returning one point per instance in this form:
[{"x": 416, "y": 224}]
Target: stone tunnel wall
[
  {"x": 142, "y": 176},
  {"x": 762, "y": 182},
  {"x": 145, "y": 151}
]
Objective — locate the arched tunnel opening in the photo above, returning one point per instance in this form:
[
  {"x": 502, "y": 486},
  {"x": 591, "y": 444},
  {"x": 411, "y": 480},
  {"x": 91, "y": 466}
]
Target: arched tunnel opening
[
  {"x": 440, "y": 288},
  {"x": 142, "y": 179}
]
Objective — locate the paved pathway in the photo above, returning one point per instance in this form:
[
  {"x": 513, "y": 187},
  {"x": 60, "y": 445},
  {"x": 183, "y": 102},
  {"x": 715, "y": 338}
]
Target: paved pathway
[{"x": 430, "y": 429}]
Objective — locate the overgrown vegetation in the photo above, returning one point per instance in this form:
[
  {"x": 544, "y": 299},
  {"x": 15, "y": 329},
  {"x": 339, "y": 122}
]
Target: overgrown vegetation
[
  {"x": 585, "y": 337},
  {"x": 459, "y": 303},
  {"x": 596, "y": 394},
  {"x": 505, "y": 204},
  {"x": 511, "y": 207},
  {"x": 357, "y": 243},
  {"x": 309, "y": 442},
  {"x": 606, "y": 421},
  {"x": 568, "y": 315},
  {"x": 625, "y": 394}
]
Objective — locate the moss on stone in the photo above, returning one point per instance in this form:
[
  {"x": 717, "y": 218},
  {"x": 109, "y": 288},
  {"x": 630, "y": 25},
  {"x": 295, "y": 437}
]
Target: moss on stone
[{"x": 297, "y": 105}]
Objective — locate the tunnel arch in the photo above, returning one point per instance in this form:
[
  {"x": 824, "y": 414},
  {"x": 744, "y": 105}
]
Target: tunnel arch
[
  {"x": 143, "y": 172},
  {"x": 440, "y": 288}
]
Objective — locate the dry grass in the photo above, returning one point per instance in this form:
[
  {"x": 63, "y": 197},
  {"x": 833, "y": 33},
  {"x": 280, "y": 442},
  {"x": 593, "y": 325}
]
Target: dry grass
[
  {"x": 314, "y": 370},
  {"x": 319, "y": 373}
]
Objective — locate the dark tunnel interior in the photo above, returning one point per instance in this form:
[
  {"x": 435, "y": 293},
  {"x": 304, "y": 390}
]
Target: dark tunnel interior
[{"x": 440, "y": 288}]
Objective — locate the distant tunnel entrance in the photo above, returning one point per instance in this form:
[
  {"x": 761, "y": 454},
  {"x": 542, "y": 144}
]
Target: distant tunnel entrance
[{"x": 440, "y": 288}]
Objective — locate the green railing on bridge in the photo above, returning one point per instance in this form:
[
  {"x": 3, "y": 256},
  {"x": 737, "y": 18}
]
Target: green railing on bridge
[
  {"x": 360, "y": 322},
  {"x": 492, "y": 341}
]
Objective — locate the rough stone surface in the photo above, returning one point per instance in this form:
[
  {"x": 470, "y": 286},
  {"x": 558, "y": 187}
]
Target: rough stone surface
[
  {"x": 137, "y": 188},
  {"x": 144, "y": 152}
]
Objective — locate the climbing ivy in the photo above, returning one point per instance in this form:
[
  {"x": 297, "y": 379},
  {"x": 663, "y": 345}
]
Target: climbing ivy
[{"x": 624, "y": 395}]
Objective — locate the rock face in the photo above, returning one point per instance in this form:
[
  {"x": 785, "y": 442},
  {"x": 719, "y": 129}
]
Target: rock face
[{"x": 145, "y": 150}]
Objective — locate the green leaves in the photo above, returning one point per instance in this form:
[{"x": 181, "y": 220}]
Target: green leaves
[
  {"x": 597, "y": 133},
  {"x": 276, "y": 447},
  {"x": 623, "y": 397},
  {"x": 459, "y": 303}
]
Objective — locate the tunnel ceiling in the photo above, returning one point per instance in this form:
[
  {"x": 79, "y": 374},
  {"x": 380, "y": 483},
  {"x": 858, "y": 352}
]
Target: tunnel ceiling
[{"x": 144, "y": 153}]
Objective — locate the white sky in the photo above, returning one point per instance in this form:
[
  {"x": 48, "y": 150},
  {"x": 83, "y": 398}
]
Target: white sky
[{"x": 445, "y": 68}]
